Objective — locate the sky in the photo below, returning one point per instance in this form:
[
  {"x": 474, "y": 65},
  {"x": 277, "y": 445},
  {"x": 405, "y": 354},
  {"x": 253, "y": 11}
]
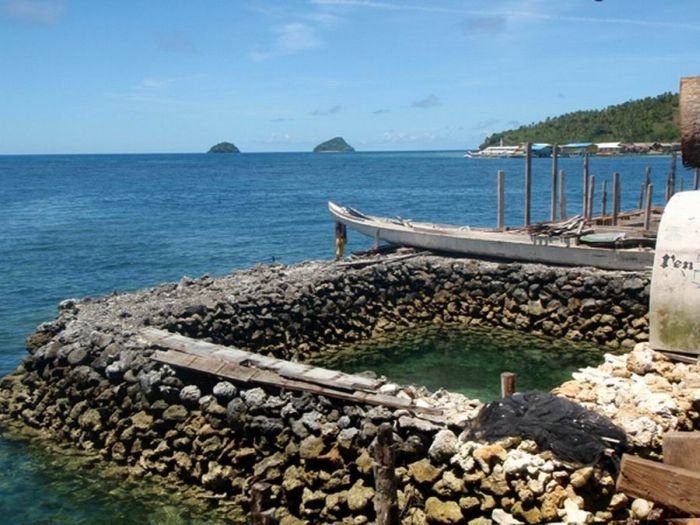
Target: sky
[{"x": 161, "y": 76}]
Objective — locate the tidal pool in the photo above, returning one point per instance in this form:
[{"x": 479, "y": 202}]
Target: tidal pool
[{"x": 469, "y": 361}]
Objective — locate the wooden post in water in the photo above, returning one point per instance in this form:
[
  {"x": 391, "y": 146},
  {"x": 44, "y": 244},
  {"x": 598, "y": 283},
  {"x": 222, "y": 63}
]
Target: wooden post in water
[
  {"x": 672, "y": 174},
  {"x": 584, "y": 189},
  {"x": 647, "y": 181},
  {"x": 507, "y": 384},
  {"x": 500, "y": 205},
  {"x": 680, "y": 183},
  {"x": 647, "y": 206},
  {"x": 669, "y": 193},
  {"x": 562, "y": 195},
  {"x": 696, "y": 178},
  {"x": 528, "y": 181},
  {"x": 616, "y": 198},
  {"x": 604, "y": 199},
  {"x": 386, "y": 503},
  {"x": 555, "y": 163},
  {"x": 591, "y": 191}
]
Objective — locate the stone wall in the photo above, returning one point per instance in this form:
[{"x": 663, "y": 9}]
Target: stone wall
[{"x": 89, "y": 381}]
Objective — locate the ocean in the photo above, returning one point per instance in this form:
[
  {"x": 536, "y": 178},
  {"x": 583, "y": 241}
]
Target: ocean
[{"x": 87, "y": 225}]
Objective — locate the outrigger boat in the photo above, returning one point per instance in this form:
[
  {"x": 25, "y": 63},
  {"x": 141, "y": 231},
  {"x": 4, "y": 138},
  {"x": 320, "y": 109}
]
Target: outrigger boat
[{"x": 517, "y": 245}]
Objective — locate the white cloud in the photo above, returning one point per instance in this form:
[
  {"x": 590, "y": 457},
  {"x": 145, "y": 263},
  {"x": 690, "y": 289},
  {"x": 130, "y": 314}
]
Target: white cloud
[
  {"x": 35, "y": 11},
  {"x": 514, "y": 13},
  {"x": 403, "y": 137},
  {"x": 291, "y": 38}
]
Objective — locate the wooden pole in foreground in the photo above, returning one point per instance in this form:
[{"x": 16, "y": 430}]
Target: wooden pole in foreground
[
  {"x": 591, "y": 191},
  {"x": 562, "y": 195},
  {"x": 647, "y": 207},
  {"x": 528, "y": 181},
  {"x": 689, "y": 104},
  {"x": 555, "y": 163},
  {"x": 385, "y": 500},
  {"x": 507, "y": 384},
  {"x": 616, "y": 198},
  {"x": 500, "y": 204},
  {"x": 604, "y": 199},
  {"x": 696, "y": 178},
  {"x": 257, "y": 501},
  {"x": 584, "y": 189}
]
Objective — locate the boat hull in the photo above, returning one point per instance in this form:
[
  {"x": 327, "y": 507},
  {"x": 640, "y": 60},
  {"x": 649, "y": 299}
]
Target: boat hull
[{"x": 489, "y": 244}]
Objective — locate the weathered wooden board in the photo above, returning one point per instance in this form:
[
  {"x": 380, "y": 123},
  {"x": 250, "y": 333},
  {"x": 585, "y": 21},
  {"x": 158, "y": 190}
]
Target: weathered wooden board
[
  {"x": 213, "y": 365},
  {"x": 690, "y": 121},
  {"x": 322, "y": 376},
  {"x": 665, "y": 484},
  {"x": 682, "y": 449}
]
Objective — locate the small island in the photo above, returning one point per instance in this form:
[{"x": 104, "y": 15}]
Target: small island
[
  {"x": 335, "y": 145},
  {"x": 224, "y": 147}
]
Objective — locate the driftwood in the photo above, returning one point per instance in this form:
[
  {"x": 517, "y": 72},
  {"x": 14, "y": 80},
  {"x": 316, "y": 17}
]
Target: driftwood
[{"x": 690, "y": 121}]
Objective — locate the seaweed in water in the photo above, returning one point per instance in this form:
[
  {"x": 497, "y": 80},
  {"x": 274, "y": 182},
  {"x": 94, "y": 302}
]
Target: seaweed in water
[{"x": 571, "y": 431}]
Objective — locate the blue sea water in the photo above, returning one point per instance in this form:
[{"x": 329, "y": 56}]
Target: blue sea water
[{"x": 78, "y": 225}]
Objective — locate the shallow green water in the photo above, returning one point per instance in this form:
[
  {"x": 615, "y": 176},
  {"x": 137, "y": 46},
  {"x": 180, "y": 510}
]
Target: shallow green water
[
  {"x": 41, "y": 488},
  {"x": 468, "y": 361}
]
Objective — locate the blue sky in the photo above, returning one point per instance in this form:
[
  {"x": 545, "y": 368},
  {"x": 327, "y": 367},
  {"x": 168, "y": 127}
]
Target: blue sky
[{"x": 107, "y": 76}]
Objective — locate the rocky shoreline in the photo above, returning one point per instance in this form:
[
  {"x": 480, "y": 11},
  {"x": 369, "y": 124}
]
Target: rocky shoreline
[{"x": 89, "y": 381}]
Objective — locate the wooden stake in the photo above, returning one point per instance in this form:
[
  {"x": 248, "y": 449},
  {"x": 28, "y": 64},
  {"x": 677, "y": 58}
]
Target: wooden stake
[
  {"x": 500, "y": 204},
  {"x": 647, "y": 206},
  {"x": 604, "y": 199},
  {"x": 672, "y": 173},
  {"x": 696, "y": 178},
  {"x": 258, "y": 495},
  {"x": 616, "y": 198},
  {"x": 528, "y": 181},
  {"x": 386, "y": 503},
  {"x": 555, "y": 162},
  {"x": 591, "y": 191},
  {"x": 584, "y": 190},
  {"x": 507, "y": 384},
  {"x": 562, "y": 195}
]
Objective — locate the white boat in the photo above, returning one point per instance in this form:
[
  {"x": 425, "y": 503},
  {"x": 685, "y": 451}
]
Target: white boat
[
  {"x": 497, "y": 152},
  {"x": 490, "y": 244}
]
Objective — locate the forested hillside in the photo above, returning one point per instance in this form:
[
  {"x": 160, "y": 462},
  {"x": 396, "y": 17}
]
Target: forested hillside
[{"x": 651, "y": 119}]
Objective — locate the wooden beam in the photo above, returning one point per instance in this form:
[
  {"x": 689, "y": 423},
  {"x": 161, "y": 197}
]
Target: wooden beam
[
  {"x": 244, "y": 374},
  {"x": 668, "y": 485},
  {"x": 289, "y": 369},
  {"x": 682, "y": 449}
]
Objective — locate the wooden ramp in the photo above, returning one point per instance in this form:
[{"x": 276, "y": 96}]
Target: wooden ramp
[{"x": 248, "y": 367}]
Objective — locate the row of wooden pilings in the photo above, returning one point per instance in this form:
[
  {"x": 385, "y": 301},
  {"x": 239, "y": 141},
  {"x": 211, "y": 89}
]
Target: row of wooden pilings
[{"x": 558, "y": 209}]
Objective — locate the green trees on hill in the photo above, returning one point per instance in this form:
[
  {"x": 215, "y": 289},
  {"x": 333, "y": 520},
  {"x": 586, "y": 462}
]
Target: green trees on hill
[{"x": 651, "y": 119}]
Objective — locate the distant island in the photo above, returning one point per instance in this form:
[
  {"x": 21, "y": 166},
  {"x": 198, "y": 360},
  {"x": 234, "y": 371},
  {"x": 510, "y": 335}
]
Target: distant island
[
  {"x": 335, "y": 145},
  {"x": 650, "y": 120},
  {"x": 224, "y": 147}
]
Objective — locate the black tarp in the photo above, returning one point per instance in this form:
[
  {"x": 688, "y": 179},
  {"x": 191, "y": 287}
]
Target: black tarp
[{"x": 571, "y": 431}]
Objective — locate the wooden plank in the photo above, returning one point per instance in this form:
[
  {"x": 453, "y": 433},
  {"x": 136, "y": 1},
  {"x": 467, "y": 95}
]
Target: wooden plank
[
  {"x": 235, "y": 372},
  {"x": 332, "y": 378},
  {"x": 682, "y": 449},
  {"x": 665, "y": 484}
]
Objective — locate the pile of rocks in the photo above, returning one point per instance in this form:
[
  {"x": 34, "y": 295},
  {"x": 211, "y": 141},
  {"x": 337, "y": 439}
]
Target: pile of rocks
[{"x": 90, "y": 382}]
